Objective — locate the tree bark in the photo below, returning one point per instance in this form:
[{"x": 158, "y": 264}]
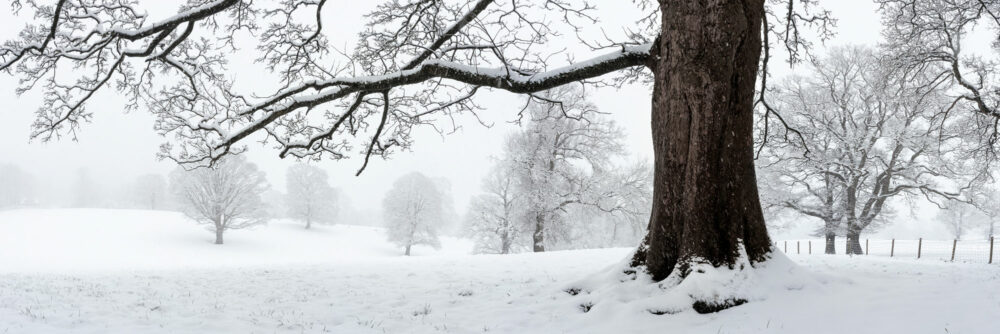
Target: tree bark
[
  {"x": 538, "y": 238},
  {"x": 505, "y": 242},
  {"x": 408, "y": 250},
  {"x": 831, "y": 242},
  {"x": 218, "y": 235},
  {"x": 854, "y": 242},
  {"x": 705, "y": 191},
  {"x": 308, "y": 223}
]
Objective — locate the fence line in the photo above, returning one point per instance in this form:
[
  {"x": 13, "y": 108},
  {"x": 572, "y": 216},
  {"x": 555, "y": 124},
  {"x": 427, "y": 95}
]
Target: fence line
[{"x": 972, "y": 251}]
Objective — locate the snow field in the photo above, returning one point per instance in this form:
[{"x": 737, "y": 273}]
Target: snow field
[{"x": 347, "y": 279}]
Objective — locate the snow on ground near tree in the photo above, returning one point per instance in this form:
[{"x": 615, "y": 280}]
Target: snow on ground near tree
[{"x": 360, "y": 284}]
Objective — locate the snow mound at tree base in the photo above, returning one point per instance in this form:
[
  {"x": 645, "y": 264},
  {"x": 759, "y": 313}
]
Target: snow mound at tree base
[{"x": 706, "y": 289}]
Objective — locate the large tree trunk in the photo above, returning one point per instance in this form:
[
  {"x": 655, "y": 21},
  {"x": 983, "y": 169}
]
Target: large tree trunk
[
  {"x": 408, "y": 250},
  {"x": 705, "y": 191},
  {"x": 538, "y": 238},
  {"x": 831, "y": 242},
  {"x": 854, "y": 242}
]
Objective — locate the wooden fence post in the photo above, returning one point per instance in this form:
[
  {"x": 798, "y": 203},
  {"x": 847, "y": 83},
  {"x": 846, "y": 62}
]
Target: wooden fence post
[
  {"x": 953, "y": 245},
  {"x": 991, "y": 250},
  {"x": 811, "y": 248},
  {"x": 866, "y": 246},
  {"x": 892, "y": 248},
  {"x": 786, "y": 246},
  {"x": 920, "y": 246}
]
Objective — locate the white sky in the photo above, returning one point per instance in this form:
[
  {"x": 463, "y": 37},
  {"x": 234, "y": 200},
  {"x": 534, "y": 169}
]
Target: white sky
[{"x": 116, "y": 147}]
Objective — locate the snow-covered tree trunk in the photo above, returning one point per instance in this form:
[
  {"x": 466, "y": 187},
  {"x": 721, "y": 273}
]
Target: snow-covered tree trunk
[
  {"x": 706, "y": 207},
  {"x": 538, "y": 237},
  {"x": 854, "y": 241},
  {"x": 831, "y": 242},
  {"x": 218, "y": 234}
]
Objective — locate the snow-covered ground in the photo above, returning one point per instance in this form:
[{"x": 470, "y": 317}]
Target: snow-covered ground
[{"x": 101, "y": 271}]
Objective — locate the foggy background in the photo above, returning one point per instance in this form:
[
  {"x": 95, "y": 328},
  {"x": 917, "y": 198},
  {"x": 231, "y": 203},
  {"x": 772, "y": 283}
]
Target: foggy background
[{"x": 117, "y": 147}]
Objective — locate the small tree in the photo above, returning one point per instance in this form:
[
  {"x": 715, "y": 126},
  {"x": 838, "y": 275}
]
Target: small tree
[
  {"x": 958, "y": 217},
  {"x": 225, "y": 197},
  {"x": 414, "y": 210},
  {"x": 150, "y": 191},
  {"x": 492, "y": 219},
  {"x": 309, "y": 195}
]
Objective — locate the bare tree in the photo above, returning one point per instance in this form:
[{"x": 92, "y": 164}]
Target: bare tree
[
  {"x": 493, "y": 218},
  {"x": 225, "y": 197},
  {"x": 984, "y": 197},
  {"x": 554, "y": 156},
  {"x": 930, "y": 35},
  {"x": 625, "y": 201},
  {"x": 414, "y": 211},
  {"x": 958, "y": 217},
  {"x": 991, "y": 208},
  {"x": 418, "y": 62},
  {"x": 876, "y": 133},
  {"x": 309, "y": 195},
  {"x": 150, "y": 190}
]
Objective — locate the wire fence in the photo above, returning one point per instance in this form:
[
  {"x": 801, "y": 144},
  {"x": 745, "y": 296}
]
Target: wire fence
[{"x": 971, "y": 251}]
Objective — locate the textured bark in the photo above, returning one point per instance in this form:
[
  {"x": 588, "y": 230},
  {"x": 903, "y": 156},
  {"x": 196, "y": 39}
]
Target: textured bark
[
  {"x": 831, "y": 242},
  {"x": 705, "y": 190},
  {"x": 538, "y": 238},
  {"x": 854, "y": 243},
  {"x": 408, "y": 250}
]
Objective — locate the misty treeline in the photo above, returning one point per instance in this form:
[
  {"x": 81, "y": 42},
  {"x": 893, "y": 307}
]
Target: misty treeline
[
  {"x": 80, "y": 188},
  {"x": 866, "y": 131},
  {"x": 560, "y": 182},
  {"x": 232, "y": 194}
]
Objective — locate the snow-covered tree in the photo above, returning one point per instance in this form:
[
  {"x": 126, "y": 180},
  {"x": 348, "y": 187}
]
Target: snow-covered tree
[
  {"x": 554, "y": 157},
  {"x": 873, "y": 133},
  {"x": 985, "y": 197},
  {"x": 939, "y": 36},
  {"x": 493, "y": 217},
  {"x": 414, "y": 211},
  {"x": 625, "y": 202},
  {"x": 958, "y": 217},
  {"x": 309, "y": 196},
  {"x": 150, "y": 191},
  {"x": 991, "y": 209},
  {"x": 226, "y": 196},
  {"x": 559, "y": 183}
]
